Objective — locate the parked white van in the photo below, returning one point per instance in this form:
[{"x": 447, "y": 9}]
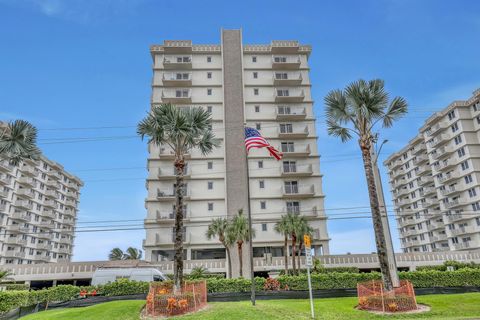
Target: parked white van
[{"x": 106, "y": 275}]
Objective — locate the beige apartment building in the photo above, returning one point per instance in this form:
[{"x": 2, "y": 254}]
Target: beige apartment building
[
  {"x": 435, "y": 181},
  {"x": 268, "y": 88},
  {"x": 38, "y": 209}
]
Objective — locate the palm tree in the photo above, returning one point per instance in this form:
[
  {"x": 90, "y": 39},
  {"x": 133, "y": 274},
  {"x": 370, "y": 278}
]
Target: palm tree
[
  {"x": 18, "y": 141},
  {"x": 303, "y": 229},
  {"x": 182, "y": 130},
  {"x": 133, "y": 254},
  {"x": 237, "y": 232},
  {"x": 4, "y": 275},
  {"x": 355, "y": 111},
  {"x": 282, "y": 228},
  {"x": 218, "y": 228},
  {"x": 293, "y": 223},
  {"x": 116, "y": 254}
]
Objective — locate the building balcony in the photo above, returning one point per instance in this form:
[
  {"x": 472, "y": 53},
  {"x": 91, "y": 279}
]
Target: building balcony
[
  {"x": 170, "y": 173},
  {"x": 286, "y": 62},
  {"x": 24, "y": 204},
  {"x": 406, "y": 222},
  {"x": 419, "y": 160},
  {"x": 437, "y": 127},
  {"x": 167, "y": 154},
  {"x": 70, "y": 202},
  {"x": 15, "y": 241},
  {"x": 48, "y": 213},
  {"x": 293, "y": 191},
  {"x": 177, "y": 96},
  {"x": 29, "y": 170},
  {"x": 49, "y": 203},
  {"x": 45, "y": 224},
  {"x": 456, "y": 217},
  {"x": 450, "y": 191},
  {"x": 70, "y": 212},
  {"x": 462, "y": 245},
  {"x": 440, "y": 139},
  {"x": 419, "y": 148},
  {"x": 425, "y": 180},
  {"x": 292, "y": 133},
  {"x": 290, "y": 113},
  {"x": 177, "y": 62},
  {"x": 54, "y": 175},
  {"x": 427, "y": 191},
  {"x": 5, "y": 180},
  {"x": 409, "y": 233},
  {"x": 3, "y": 207},
  {"x": 434, "y": 225},
  {"x": 21, "y": 215},
  {"x": 403, "y": 202},
  {"x": 287, "y": 79},
  {"x": 448, "y": 177},
  {"x": 463, "y": 230},
  {"x": 169, "y": 195},
  {"x": 284, "y": 46},
  {"x": 26, "y": 192},
  {"x": 289, "y": 96},
  {"x": 453, "y": 203},
  {"x": 296, "y": 151},
  {"x": 45, "y": 235},
  {"x": 43, "y": 258},
  {"x": 27, "y": 181},
  {"x": 51, "y": 193},
  {"x": 442, "y": 152},
  {"x": 444, "y": 165},
  {"x": 169, "y": 217},
  {"x": 178, "y": 79},
  {"x": 52, "y": 184},
  {"x": 44, "y": 246},
  {"x": 439, "y": 238},
  {"x": 296, "y": 171},
  {"x": 397, "y": 183},
  {"x": 395, "y": 164},
  {"x": 177, "y": 46},
  {"x": 408, "y": 244},
  {"x": 402, "y": 192},
  {"x": 17, "y": 228},
  {"x": 64, "y": 251},
  {"x": 72, "y": 185},
  {"x": 5, "y": 166},
  {"x": 3, "y": 193},
  {"x": 65, "y": 240}
]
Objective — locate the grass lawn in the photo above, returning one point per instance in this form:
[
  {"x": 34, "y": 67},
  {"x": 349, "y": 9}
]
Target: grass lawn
[{"x": 454, "y": 306}]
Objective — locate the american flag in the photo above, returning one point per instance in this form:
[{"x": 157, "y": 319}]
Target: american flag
[{"x": 253, "y": 139}]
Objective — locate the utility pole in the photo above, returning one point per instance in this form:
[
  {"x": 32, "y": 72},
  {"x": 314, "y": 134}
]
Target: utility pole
[{"x": 384, "y": 214}]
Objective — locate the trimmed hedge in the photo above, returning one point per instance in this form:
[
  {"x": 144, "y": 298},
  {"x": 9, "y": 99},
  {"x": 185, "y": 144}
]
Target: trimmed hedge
[
  {"x": 123, "y": 287},
  {"x": 455, "y": 264},
  {"x": 234, "y": 285},
  {"x": 16, "y": 286}
]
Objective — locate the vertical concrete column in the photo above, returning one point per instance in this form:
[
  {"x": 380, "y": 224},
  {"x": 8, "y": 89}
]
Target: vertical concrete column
[{"x": 235, "y": 156}]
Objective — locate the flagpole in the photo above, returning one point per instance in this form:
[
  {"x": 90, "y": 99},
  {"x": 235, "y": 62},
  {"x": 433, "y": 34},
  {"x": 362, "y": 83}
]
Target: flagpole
[{"x": 250, "y": 244}]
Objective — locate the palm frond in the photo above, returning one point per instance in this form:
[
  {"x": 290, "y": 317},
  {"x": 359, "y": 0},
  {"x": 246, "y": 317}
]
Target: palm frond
[
  {"x": 397, "y": 109},
  {"x": 336, "y": 130},
  {"x": 18, "y": 142}
]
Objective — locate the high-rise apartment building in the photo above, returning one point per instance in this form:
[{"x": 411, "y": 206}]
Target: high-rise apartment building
[
  {"x": 268, "y": 88},
  {"x": 435, "y": 181},
  {"x": 38, "y": 209}
]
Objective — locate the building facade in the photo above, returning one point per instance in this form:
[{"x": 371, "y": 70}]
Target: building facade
[
  {"x": 268, "y": 88},
  {"x": 435, "y": 181},
  {"x": 38, "y": 209}
]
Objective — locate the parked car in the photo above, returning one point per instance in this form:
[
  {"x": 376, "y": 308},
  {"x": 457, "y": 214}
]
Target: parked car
[{"x": 106, "y": 275}]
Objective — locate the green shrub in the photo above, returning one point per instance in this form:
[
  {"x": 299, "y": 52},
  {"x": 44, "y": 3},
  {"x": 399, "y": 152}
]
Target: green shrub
[
  {"x": 233, "y": 285},
  {"x": 464, "y": 277},
  {"x": 13, "y": 299},
  {"x": 124, "y": 287},
  {"x": 455, "y": 264},
  {"x": 16, "y": 286}
]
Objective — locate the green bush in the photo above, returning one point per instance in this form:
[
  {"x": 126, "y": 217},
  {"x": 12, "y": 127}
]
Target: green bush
[
  {"x": 124, "y": 287},
  {"x": 13, "y": 299},
  {"x": 455, "y": 264},
  {"x": 234, "y": 285},
  {"x": 16, "y": 286},
  {"x": 465, "y": 277}
]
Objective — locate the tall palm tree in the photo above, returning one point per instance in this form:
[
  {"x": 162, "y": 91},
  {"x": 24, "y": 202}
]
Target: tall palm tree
[
  {"x": 218, "y": 228},
  {"x": 18, "y": 141},
  {"x": 282, "y": 228},
  {"x": 116, "y": 254},
  {"x": 132, "y": 254},
  {"x": 182, "y": 130},
  {"x": 293, "y": 223},
  {"x": 355, "y": 111},
  {"x": 237, "y": 232},
  {"x": 303, "y": 229}
]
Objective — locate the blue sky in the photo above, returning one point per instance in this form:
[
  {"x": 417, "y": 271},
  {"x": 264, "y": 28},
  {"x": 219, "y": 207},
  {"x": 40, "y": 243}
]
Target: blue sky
[{"x": 79, "y": 64}]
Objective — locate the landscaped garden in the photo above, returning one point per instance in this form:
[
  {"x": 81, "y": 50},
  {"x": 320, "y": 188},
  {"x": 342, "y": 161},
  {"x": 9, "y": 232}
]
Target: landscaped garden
[{"x": 451, "y": 306}]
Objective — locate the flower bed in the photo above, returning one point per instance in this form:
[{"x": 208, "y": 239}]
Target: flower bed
[
  {"x": 162, "y": 301},
  {"x": 372, "y": 296}
]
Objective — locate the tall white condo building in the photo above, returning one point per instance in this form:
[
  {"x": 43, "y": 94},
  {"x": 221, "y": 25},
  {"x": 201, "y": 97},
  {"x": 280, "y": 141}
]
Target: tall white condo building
[{"x": 268, "y": 88}]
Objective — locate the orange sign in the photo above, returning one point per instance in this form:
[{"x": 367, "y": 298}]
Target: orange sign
[{"x": 306, "y": 240}]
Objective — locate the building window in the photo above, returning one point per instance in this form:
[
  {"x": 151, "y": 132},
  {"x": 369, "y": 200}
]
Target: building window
[
  {"x": 210, "y": 206},
  {"x": 209, "y": 59},
  {"x": 254, "y": 59},
  {"x": 455, "y": 127},
  {"x": 255, "y": 75},
  {"x": 209, "y": 75},
  {"x": 260, "y": 164},
  {"x": 257, "y": 108},
  {"x": 472, "y": 193},
  {"x": 209, "y": 109},
  {"x": 210, "y": 185},
  {"x": 209, "y": 92},
  {"x": 261, "y": 184},
  {"x": 478, "y": 221},
  {"x": 210, "y": 165},
  {"x": 458, "y": 139},
  {"x": 468, "y": 179},
  {"x": 263, "y": 205},
  {"x": 451, "y": 115},
  {"x": 264, "y": 227},
  {"x": 461, "y": 152},
  {"x": 464, "y": 165},
  {"x": 255, "y": 91},
  {"x": 258, "y": 126},
  {"x": 476, "y": 206}
]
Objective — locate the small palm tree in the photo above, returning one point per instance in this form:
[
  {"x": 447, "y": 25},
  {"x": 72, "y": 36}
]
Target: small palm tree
[
  {"x": 282, "y": 228},
  {"x": 5, "y": 275},
  {"x": 132, "y": 254},
  {"x": 355, "y": 111},
  {"x": 303, "y": 229},
  {"x": 18, "y": 142},
  {"x": 218, "y": 228},
  {"x": 293, "y": 225},
  {"x": 182, "y": 130},
  {"x": 116, "y": 254},
  {"x": 199, "y": 272},
  {"x": 238, "y": 233}
]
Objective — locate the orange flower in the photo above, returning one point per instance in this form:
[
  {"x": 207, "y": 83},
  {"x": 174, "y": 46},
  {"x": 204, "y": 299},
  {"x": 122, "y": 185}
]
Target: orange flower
[
  {"x": 171, "y": 304},
  {"x": 183, "y": 303}
]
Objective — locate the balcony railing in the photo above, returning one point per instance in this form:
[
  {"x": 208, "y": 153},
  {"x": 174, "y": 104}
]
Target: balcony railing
[
  {"x": 287, "y": 79},
  {"x": 295, "y": 191},
  {"x": 167, "y": 195},
  {"x": 420, "y": 159},
  {"x": 290, "y": 113},
  {"x": 21, "y": 215},
  {"x": 443, "y": 151},
  {"x": 463, "y": 230},
  {"x": 177, "y": 79},
  {"x": 177, "y": 62},
  {"x": 448, "y": 176},
  {"x": 462, "y": 245},
  {"x": 296, "y": 170},
  {"x": 24, "y": 204},
  {"x": 453, "y": 203},
  {"x": 170, "y": 173},
  {"x": 5, "y": 166},
  {"x": 292, "y": 133},
  {"x": 286, "y": 62},
  {"x": 28, "y": 170},
  {"x": 437, "y": 127},
  {"x": 26, "y": 192},
  {"x": 295, "y": 151},
  {"x": 288, "y": 95}
]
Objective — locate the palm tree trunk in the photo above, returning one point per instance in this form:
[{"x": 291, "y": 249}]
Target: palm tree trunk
[
  {"x": 240, "y": 257},
  {"x": 300, "y": 245},
  {"x": 365, "y": 146},
  {"x": 285, "y": 253},
  {"x": 294, "y": 244},
  {"x": 178, "y": 246},
  {"x": 229, "y": 259}
]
